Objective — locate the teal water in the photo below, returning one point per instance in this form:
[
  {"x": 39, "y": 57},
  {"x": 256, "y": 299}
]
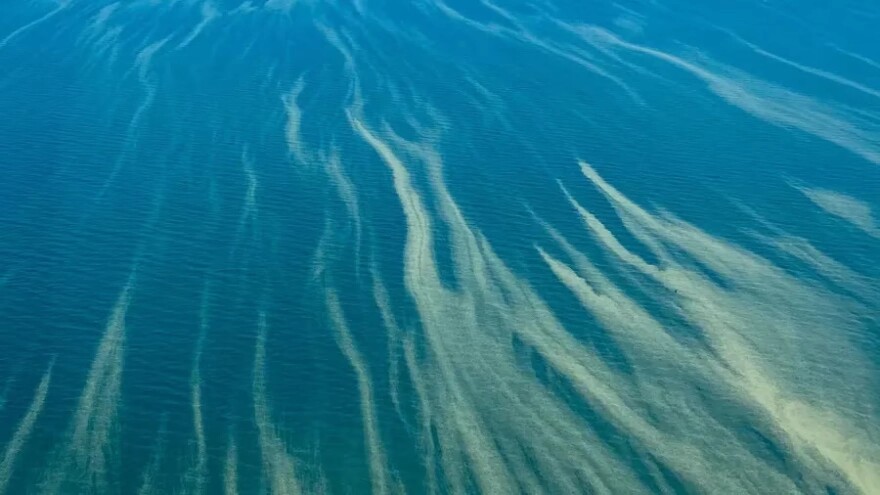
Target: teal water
[{"x": 439, "y": 246}]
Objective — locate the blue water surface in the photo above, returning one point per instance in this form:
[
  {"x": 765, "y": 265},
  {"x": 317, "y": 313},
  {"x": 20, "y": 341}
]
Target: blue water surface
[{"x": 439, "y": 246}]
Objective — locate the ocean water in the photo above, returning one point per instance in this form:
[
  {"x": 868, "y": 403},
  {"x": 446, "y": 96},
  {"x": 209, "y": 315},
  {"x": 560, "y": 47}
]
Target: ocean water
[{"x": 439, "y": 246}]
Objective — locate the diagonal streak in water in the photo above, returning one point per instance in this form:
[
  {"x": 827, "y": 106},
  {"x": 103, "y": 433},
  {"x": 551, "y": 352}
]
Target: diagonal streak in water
[
  {"x": 278, "y": 465},
  {"x": 24, "y": 430},
  {"x": 84, "y": 458},
  {"x": 378, "y": 463}
]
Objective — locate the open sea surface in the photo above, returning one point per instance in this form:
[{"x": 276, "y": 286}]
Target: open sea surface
[{"x": 440, "y": 247}]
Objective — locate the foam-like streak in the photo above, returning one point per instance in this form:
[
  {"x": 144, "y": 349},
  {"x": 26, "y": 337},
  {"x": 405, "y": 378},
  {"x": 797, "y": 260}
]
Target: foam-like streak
[
  {"x": 468, "y": 367},
  {"x": 208, "y": 13},
  {"x": 106, "y": 47},
  {"x": 244, "y": 8},
  {"x": 142, "y": 65},
  {"x": 772, "y": 103},
  {"x": 199, "y": 471},
  {"x": 488, "y": 102},
  {"x": 826, "y": 266},
  {"x": 149, "y": 477},
  {"x": 84, "y": 458},
  {"x": 378, "y": 462},
  {"x": 426, "y": 441},
  {"x": 230, "y": 469},
  {"x": 278, "y": 465},
  {"x": 829, "y": 76},
  {"x": 284, "y": 6},
  {"x": 777, "y": 362},
  {"x": 347, "y": 192},
  {"x": 419, "y": 270},
  {"x": 331, "y": 162},
  {"x": 846, "y": 207},
  {"x": 679, "y": 433},
  {"x": 36, "y": 22},
  {"x": 294, "y": 122},
  {"x": 395, "y": 336},
  {"x": 98, "y": 26},
  {"x": 250, "y": 205},
  {"x": 250, "y": 198},
  {"x": 861, "y": 58},
  {"x": 524, "y": 35},
  {"x": 23, "y": 432},
  {"x": 629, "y": 21},
  {"x": 100, "y": 38},
  {"x": 103, "y": 15}
]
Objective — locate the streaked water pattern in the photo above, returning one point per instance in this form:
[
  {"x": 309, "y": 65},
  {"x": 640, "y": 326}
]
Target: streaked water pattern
[{"x": 439, "y": 246}]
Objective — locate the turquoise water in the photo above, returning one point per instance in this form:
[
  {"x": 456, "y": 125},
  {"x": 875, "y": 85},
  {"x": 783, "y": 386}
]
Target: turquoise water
[{"x": 439, "y": 246}]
